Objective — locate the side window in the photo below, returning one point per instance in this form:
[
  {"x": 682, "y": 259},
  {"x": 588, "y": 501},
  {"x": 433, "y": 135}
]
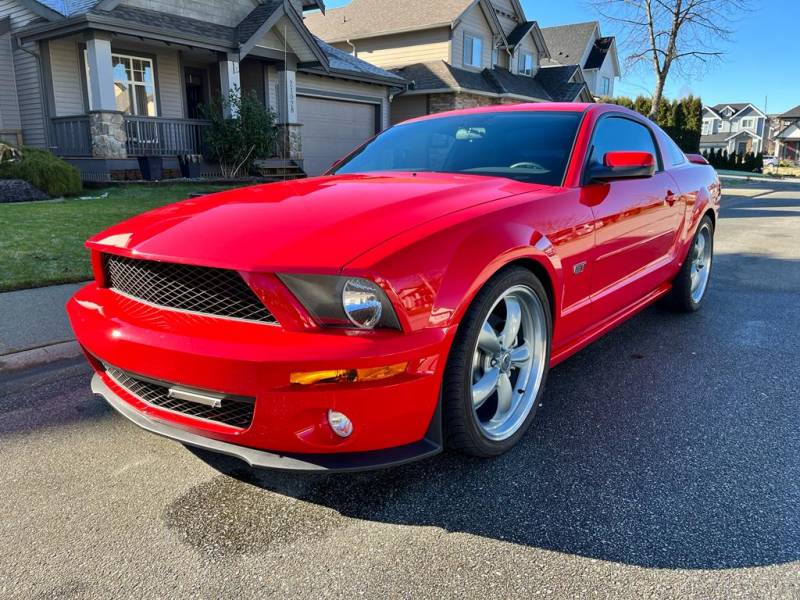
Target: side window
[
  {"x": 618, "y": 134},
  {"x": 674, "y": 153}
]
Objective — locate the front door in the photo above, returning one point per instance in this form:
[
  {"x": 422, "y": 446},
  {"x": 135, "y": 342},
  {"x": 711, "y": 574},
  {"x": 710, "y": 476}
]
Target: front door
[
  {"x": 196, "y": 91},
  {"x": 635, "y": 221}
]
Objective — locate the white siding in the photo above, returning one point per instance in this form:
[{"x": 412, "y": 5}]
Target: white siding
[
  {"x": 403, "y": 49},
  {"x": 65, "y": 66},
  {"x": 27, "y": 76},
  {"x": 473, "y": 23},
  {"x": 228, "y": 13}
]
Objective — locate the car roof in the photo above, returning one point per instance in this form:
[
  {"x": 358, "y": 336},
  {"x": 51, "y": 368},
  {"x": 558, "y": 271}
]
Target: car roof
[{"x": 574, "y": 107}]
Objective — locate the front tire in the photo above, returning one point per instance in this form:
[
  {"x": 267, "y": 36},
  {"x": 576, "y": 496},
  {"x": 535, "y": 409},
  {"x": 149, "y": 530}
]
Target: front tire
[
  {"x": 691, "y": 284},
  {"x": 498, "y": 365}
]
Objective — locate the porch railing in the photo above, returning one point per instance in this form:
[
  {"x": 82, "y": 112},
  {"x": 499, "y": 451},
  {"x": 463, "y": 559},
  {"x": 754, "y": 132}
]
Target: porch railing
[
  {"x": 152, "y": 136},
  {"x": 70, "y": 136}
]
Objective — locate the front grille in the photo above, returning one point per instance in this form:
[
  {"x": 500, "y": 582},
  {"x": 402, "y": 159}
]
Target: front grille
[
  {"x": 235, "y": 411},
  {"x": 219, "y": 292}
]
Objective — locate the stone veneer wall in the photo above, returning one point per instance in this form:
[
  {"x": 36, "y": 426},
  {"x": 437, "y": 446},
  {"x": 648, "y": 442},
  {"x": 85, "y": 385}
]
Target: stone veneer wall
[
  {"x": 107, "y": 132},
  {"x": 443, "y": 102},
  {"x": 290, "y": 141}
]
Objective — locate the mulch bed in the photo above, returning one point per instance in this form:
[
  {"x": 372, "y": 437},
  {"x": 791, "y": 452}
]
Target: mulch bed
[{"x": 17, "y": 190}]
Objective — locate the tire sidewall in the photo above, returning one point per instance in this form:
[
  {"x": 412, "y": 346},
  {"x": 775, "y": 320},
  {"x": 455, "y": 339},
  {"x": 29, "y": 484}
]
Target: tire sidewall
[{"x": 484, "y": 302}]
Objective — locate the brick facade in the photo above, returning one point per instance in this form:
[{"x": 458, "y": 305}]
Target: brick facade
[{"x": 456, "y": 101}]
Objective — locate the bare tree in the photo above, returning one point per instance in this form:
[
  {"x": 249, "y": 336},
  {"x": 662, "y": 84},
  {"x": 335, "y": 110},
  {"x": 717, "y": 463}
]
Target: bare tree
[{"x": 672, "y": 33}]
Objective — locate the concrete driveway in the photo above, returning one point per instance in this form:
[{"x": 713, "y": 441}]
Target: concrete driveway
[{"x": 665, "y": 463}]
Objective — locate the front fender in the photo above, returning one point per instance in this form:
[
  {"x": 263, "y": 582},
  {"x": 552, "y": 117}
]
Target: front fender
[{"x": 433, "y": 277}]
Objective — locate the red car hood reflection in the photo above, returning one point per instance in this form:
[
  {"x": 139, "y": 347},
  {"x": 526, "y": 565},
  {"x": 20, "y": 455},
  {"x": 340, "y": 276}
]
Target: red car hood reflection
[{"x": 320, "y": 223}]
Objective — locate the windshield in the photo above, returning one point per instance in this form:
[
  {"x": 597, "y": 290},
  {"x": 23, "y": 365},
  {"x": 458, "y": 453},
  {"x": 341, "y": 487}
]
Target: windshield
[{"x": 528, "y": 146}]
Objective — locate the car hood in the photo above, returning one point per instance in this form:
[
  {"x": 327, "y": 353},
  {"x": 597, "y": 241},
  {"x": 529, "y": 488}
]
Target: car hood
[{"x": 321, "y": 223}]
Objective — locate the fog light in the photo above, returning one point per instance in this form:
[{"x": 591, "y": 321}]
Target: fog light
[{"x": 341, "y": 425}]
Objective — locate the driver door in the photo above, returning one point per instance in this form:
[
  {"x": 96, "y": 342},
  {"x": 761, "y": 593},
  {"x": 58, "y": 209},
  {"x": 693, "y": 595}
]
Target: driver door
[{"x": 635, "y": 220}]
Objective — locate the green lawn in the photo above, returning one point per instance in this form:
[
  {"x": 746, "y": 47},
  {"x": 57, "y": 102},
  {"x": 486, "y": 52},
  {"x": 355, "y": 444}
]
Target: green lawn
[{"x": 41, "y": 243}]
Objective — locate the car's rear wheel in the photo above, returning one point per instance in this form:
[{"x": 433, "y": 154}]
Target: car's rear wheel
[
  {"x": 498, "y": 365},
  {"x": 691, "y": 284}
]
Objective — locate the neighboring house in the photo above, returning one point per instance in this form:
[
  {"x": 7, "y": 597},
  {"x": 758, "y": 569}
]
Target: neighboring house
[
  {"x": 103, "y": 82},
  {"x": 455, "y": 53},
  {"x": 737, "y": 128},
  {"x": 584, "y": 45},
  {"x": 786, "y": 136}
]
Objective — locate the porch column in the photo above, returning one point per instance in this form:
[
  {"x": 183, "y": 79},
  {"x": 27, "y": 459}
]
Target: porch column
[
  {"x": 106, "y": 123},
  {"x": 290, "y": 141},
  {"x": 230, "y": 81}
]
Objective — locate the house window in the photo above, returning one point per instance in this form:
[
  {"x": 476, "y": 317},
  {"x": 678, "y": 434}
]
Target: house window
[
  {"x": 473, "y": 51},
  {"x": 495, "y": 57},
  {"x": 748, "y": 123},
  {"x": 526, "y": 63},
  {"x": 605, "y": 86},
  {"x": 134, "y": 84}
]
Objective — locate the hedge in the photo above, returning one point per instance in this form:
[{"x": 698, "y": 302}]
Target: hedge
[
  {"x": 681, "y": 119},
  {"x": 45, "y": 171}
]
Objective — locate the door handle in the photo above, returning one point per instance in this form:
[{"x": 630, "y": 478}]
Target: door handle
[{"x": 671, "y": 198}]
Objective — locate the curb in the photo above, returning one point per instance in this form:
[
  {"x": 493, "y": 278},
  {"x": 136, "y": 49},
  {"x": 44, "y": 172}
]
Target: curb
[{"x": 39, "y": 356}]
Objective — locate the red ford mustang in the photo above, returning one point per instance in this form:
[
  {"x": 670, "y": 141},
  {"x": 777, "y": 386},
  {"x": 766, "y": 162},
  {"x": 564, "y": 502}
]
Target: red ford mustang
[{"x": 414, "y": 298}]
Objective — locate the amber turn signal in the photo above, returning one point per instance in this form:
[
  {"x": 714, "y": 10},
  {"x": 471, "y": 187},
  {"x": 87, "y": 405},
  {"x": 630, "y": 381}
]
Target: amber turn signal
[{"x": 347, "y": 375}]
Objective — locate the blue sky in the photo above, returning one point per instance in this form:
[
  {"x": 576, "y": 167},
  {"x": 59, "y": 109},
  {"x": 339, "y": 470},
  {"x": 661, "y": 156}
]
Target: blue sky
[{"x": 761, "y": 60}]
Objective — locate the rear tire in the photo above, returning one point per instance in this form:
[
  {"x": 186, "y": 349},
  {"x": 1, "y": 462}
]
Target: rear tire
[
  {"x": 690, "y": 286},
  {"x": 498, "y": 365}
]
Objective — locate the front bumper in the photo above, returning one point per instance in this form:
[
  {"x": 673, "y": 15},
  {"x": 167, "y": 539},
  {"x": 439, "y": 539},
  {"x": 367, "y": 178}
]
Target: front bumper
[
  {"x": 429, "y": 446},
  {"x": 395, "y": 420}
]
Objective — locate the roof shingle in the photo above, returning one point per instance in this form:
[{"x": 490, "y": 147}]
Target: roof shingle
[
  {"x": 370, "y": 18},
  {"x": 568, "y": 43},
  {"x": 553, "y": 84}
]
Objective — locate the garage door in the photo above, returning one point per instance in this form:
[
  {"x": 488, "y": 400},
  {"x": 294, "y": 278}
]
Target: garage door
[{"x": 332, "y": 129}]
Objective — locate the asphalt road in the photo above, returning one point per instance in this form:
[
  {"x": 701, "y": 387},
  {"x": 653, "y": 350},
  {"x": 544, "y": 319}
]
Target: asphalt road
[{"x": 664, "y": 464}]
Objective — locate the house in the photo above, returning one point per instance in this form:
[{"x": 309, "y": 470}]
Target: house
[
  {"x": 786, "y": 136},
  {"x": 584, "y": 45},
  {"x": 455, "y": 53},
  {"x": 737, "y": 128},
  {"x": 104, "y": 82}
]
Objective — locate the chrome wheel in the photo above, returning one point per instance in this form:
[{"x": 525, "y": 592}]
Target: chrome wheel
[
  {"x": 701, "y": 258},
  {"x": 508, "y": 363}
]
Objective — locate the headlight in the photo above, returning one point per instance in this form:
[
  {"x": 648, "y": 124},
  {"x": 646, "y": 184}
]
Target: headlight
[
  {"x": 361, "y": 303},
  {"x": 343, "y": 301}
]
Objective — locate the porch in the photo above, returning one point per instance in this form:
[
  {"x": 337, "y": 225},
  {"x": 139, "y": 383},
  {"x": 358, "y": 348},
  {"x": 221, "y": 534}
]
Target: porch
[{"x": 71, "y": 137}]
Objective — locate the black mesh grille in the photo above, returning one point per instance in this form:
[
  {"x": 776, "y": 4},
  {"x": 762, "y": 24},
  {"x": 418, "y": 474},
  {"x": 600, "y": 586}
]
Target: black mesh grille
[
  {"x": 236, "y": 412},
  {"x": 219, "y": 292}
]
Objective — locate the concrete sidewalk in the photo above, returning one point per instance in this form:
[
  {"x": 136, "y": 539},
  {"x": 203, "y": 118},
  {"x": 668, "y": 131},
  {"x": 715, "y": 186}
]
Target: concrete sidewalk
[{"x": 34, "y": 320}]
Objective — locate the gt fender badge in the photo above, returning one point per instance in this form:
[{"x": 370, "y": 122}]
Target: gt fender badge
[{"x": 579, "y": 268}]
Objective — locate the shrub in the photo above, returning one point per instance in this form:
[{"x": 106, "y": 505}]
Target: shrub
[
  {"x": 45, "y": 171},
  {"x": 237, "y": 141}
]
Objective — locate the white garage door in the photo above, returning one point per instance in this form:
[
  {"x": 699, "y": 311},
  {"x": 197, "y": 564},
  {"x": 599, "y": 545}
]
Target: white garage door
[{"x": 332, "y": 129}]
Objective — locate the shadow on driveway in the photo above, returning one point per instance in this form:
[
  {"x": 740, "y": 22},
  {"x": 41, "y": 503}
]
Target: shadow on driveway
[{"x": 671, "y": 443}]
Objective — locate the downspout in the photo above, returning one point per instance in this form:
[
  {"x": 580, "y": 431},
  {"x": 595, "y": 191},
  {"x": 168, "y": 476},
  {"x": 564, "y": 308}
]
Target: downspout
[
  {"x": 353, "y": 46},
  {"x": 42, "y": 90}
]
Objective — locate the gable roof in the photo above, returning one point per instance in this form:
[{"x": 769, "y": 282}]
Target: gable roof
[
  {"x": 343, "y": 63},
  {"x": 371, "y": 18},
  {"x": 67, "y": 8},
  {"x": 568, "y": 43},
  {"x": 792, "y": 113},
  {"x": 600, "y": 50},
  {"x": 548, "y": 85},
  {"x": 563, "y": 82}
]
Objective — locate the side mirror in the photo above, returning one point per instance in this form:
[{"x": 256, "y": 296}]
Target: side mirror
[{"x": 624, "y": 165}]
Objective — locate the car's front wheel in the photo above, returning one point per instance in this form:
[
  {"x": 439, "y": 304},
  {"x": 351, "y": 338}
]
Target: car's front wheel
[{"x": 498, "y": 365}]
